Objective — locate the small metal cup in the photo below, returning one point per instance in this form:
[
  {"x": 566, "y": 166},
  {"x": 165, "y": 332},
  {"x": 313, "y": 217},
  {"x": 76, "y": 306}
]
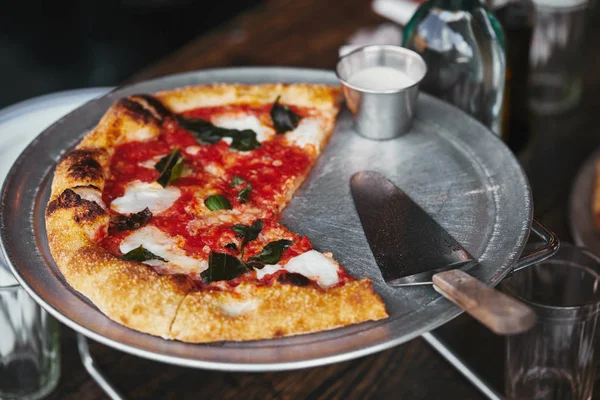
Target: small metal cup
[{"x": 381, "y": 114}]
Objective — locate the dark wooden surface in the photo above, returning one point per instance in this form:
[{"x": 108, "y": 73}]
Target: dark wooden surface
[{"x": 308, "y": 34}]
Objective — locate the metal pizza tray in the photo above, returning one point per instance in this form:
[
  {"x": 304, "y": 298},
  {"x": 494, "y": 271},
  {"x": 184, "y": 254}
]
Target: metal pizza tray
[
  {"x": 450, "y": 164},
  {"x": 581, "y": 219}
]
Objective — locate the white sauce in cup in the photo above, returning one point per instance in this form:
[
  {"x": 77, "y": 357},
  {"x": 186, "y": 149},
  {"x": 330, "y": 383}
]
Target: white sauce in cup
[{"x": 381, "y": 78}]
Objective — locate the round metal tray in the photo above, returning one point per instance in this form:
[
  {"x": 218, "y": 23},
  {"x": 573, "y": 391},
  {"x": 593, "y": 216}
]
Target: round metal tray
[
  {"x": 450, "y": 164},
  {"x": 581, "y": 219}
]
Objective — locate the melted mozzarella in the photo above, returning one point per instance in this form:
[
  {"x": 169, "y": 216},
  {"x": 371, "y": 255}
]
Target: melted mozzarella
[
  {"x": 90, "y": 194},
  {"x": 214, "y": 169},
  {"x": 236, "y": 308},
  {"x": 162, "y": 245},
  {"x": 192, "y": 150},
  {"x": 308, "y": 132},
  {"x": 267, "y": 270},
  {"x": 139, "y": 195},
  {"x": 312, "y": 264},
  {"x": 241, "y": 122},
  {"x": 141, "y": 134},
  {"x": 151, "y": 163}
]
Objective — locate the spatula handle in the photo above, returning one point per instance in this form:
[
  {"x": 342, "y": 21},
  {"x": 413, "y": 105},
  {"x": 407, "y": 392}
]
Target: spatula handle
[{"x": 502, "y": 314}]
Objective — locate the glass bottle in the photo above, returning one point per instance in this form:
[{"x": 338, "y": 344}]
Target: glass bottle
[
  {"x": 463, "y": 45},
  {"x": 516, "y": 17}
]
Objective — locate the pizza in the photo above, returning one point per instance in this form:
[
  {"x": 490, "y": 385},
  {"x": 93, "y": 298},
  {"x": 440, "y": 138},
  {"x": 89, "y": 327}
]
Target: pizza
[{"x": 167, "y": 215}]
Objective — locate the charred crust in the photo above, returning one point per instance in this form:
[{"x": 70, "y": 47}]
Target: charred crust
[
  {"x": 137, "y": 111},
  {"x": 89, "y": 210},
  {"x": 79, "y": 155},
  {"x": 292, "y": 278},
  {"x": 131, "y": 221},
  {"x": 159, "y": 110},
  {"x": 88, "y": 187},
  {"x": 67, "y": 199},
  {"x": 86, "y": 169}
]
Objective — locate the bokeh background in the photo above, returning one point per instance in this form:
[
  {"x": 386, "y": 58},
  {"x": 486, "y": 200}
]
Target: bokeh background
[{"x": 46, "y": 46}]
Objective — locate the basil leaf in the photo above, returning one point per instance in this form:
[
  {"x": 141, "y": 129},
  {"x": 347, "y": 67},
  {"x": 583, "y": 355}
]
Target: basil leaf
[
  {"x": 270, "y": 254},
  {"x": 217, "y": 202},
  {"x": 223, "y": 267},
  {"x": 283, "y": 118},
  {"x": 201, "y": 129},
  {"x": 244, "y": 193},
  {"x": 206, "y": 132},
  {"x": 248, "y": 233},
  {"x": 236, "y": 181},
  {"x": 243, "y": 140},
  {"x": 132, "y": 221},
  {"x": 170, "y": 167},
  {"x": 141, "y": 254},
  {"x": 231, "y": 246}
]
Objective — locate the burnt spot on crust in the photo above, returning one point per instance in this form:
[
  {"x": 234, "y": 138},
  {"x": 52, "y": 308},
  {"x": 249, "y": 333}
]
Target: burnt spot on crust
[
  {"x": 278, "y": 333},
  {"x": 79, "y": 155},
  {"x": 86, "y": 168},
  {"x": 94, "y": 187},
  {"x": 88, "y": 210},
  {"x": 67, "y": 199},
  {"x": 292, "y": 278},
  {"x": 132, "y": 221},
  {"x": 138, "y": 112},
  {"x": 158, "y": 109}
]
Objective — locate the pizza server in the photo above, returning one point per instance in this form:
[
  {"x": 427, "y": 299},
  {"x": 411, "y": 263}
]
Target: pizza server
[{"x": 411, "y": 248}]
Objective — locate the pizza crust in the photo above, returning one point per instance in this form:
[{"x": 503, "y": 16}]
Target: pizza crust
[
  {"x": 252, "y": 312},
  {"x": 324, "y": 98},
  {"x": 134, "y": 294},
  {"x": 127, "y": 292}
]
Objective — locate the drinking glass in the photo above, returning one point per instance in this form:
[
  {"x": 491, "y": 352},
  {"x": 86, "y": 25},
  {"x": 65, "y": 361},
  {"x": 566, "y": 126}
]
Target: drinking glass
[
  {"x": 556, "y": 55},
  {"x": 555, "y": 359},
  {"x": 29, "y": 344}
]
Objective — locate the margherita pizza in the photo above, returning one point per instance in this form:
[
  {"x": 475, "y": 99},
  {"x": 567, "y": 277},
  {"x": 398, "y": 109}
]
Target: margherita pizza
[{"x": 167, "y": 216}]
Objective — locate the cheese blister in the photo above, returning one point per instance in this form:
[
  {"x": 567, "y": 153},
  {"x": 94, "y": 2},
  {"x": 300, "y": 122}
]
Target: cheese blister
[
  {"x": 241, "y": 122},
  {"x": 140, "y": 195},
  {"x": 312, "y": 264},
  {"x": 159, "y": 243}
]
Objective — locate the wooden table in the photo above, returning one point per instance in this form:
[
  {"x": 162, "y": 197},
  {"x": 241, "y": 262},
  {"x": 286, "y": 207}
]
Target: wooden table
[{"x": 308, "y": 34}]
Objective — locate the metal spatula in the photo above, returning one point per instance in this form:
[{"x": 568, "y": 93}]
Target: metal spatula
[{"x": 411, "y": 248}]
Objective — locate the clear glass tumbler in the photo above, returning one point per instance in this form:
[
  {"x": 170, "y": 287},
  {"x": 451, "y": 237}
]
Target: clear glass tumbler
[
  {"x": 556, "y": 55},
  {"x": 29, "y": 344},
  {"x": 555, "y": 359}
]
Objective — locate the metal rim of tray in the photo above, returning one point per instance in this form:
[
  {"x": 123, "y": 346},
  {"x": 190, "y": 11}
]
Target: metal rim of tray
[{"x": 22, "y": 211}]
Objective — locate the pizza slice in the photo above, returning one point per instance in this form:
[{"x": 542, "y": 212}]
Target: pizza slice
[{"x": 167, "y": 216}]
